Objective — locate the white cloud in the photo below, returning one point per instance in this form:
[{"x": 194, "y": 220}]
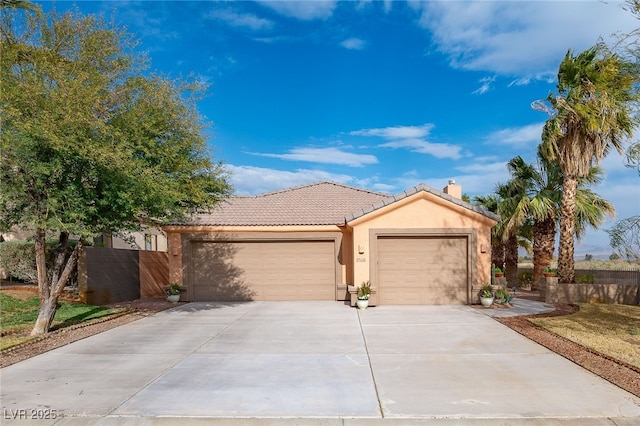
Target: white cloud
[
  {"x": 249, "y": 180},
  {"x": 522, "y": 39},
  {"x": 485, "y": 86},
  {"x": 353, "y": 44},
  {"x": 303, "y": 10},
  {"x": 413, "y": 139},
  {"x": 472, "y": 184},
  {"x": 396, "y": 132},
  {"x": 325, "y": 155},
  {"x": 241, "y": 20},
  {"x": 484, "y": 166},
  {"x": 438, "y": 150},
  {"x": 615, "y": 164},
  {"x": 521, "y": 137},
  {"x": 621, "y": 187}
]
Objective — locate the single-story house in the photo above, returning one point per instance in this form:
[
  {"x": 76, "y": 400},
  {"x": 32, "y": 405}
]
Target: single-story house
[{"x": 320, "y": 241}]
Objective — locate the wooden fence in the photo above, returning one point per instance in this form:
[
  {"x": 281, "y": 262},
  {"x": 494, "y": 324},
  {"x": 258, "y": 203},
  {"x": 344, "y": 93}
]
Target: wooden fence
[{"x": 107, "y": 275}]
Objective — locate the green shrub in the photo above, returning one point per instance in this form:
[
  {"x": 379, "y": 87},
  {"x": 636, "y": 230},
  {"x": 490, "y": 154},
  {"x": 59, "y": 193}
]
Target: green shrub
[
  {"x": 525, "y": 279},
  {"x": 503, "y": 296},
  {"x": 584, "y": 279},
  {"x": 18, "y": 259}
]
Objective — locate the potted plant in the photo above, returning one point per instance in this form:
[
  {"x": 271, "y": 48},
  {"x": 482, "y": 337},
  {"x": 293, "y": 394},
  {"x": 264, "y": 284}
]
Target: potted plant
[
  {"x": 364, "y": 291},
  {"x": 498, "y": 272},
  {"x": 486, "y": 295},
  {"x": 549, "y": 272},
  {"x": 173, "y": 293}
]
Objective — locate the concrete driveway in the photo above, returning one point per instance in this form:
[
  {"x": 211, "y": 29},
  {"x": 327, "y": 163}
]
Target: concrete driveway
[{"x": 262, "y": 361}]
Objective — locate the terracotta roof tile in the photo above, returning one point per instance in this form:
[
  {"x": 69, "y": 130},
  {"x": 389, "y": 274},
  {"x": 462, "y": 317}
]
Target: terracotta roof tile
[
  {"x": 411, "y": 191},
  {"x": 321, "y": 203}
]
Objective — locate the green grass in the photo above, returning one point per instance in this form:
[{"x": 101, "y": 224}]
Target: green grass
[
  {"x": 17, "y": 317},
  {"x": 613, "y": 330}
]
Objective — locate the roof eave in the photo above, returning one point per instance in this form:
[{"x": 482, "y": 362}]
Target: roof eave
[{"x": 412, "y": 191}]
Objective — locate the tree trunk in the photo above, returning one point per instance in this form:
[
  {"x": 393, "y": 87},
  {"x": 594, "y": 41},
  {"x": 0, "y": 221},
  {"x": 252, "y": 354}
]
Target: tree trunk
[
  {"x": 566, "y": 263},
  {"x": 48, "y": 309},
  {"x": 511, "y": 261},
  {"x": 544, "y": 236},
  {"x": 41, "y": 265},
  {"x": 497, "y": 255},
  {"x": 50, "y": 290}
]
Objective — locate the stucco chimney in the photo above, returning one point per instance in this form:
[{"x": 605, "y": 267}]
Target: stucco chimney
[{"x": 452, "y": 189}]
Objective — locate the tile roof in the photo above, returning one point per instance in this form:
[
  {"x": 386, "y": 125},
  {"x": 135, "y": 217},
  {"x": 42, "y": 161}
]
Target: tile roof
[
  {"x": 321, "y": 203},
  {"x": 409, "y": 192}
]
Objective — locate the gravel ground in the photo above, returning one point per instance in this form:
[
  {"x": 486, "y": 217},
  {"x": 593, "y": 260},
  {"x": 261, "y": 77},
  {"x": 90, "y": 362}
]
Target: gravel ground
[{"x": 623, "y": 375}]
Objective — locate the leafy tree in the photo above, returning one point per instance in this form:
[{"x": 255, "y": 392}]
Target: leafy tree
[
  {"x": 90, "y": 143},
  {"x": 624, "y": 237},
  {"x": 590, "y": 115},
  {"x": 588, "y": 257}
]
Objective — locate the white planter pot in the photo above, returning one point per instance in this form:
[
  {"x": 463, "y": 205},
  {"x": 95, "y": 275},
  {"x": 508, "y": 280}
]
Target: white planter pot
[
  {"x": 486, "y": 301},
  {"x": 173, "y": 298},
  {"x": 362, "y": 304}
]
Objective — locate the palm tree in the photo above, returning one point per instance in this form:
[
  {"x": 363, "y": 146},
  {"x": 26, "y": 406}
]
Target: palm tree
[
  {"x": 490, "y": 202},
  {"x": 504, "y": 244},
  {"x": 508, "y": 192},
  {"x": 19, "y": 4},
  {"x": 536, "y": 203},
  {"x": 591, "y": 114},
  {"x": 539, "y": 200}
]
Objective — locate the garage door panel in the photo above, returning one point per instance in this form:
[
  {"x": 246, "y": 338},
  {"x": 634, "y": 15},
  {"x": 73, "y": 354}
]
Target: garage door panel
[
  {"x": 263, "y": 270},
  {"x": 422, "y": 270}
]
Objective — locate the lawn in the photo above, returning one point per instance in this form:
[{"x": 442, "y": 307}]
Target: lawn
[
  {"x": 613, "y": 330},
  {"x": 17, "y": 316}
]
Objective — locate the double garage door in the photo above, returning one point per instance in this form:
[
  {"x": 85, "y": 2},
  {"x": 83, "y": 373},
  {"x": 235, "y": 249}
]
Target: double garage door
[
  {"x": 410, "y": 270},
  {"x": 263, "y": 270},
  {"x": 422, "y": 270}
]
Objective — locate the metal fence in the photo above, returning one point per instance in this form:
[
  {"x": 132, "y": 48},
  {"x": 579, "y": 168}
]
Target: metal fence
[
  {"x": 610, "y": 276},
  {"x": 604, "y": 276}
]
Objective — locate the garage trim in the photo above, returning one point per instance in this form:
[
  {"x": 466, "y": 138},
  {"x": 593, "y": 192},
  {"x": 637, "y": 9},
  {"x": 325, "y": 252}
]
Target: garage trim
[
  {"x": 188, "y": 239},
  {"x": 468, "y": 233}
]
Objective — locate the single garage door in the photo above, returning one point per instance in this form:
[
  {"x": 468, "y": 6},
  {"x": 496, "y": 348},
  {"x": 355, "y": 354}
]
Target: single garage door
[
  {"x": 263, "y": 270},
  {"x": 422, "y": 270}
]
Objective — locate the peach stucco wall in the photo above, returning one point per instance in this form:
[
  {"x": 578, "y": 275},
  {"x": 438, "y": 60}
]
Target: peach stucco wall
[
  {"x": 428, "y": 213},
  {"x": 422, "y": 212}
]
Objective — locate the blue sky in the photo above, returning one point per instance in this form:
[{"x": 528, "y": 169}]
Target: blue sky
[{"x": 380, "y": 95}]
